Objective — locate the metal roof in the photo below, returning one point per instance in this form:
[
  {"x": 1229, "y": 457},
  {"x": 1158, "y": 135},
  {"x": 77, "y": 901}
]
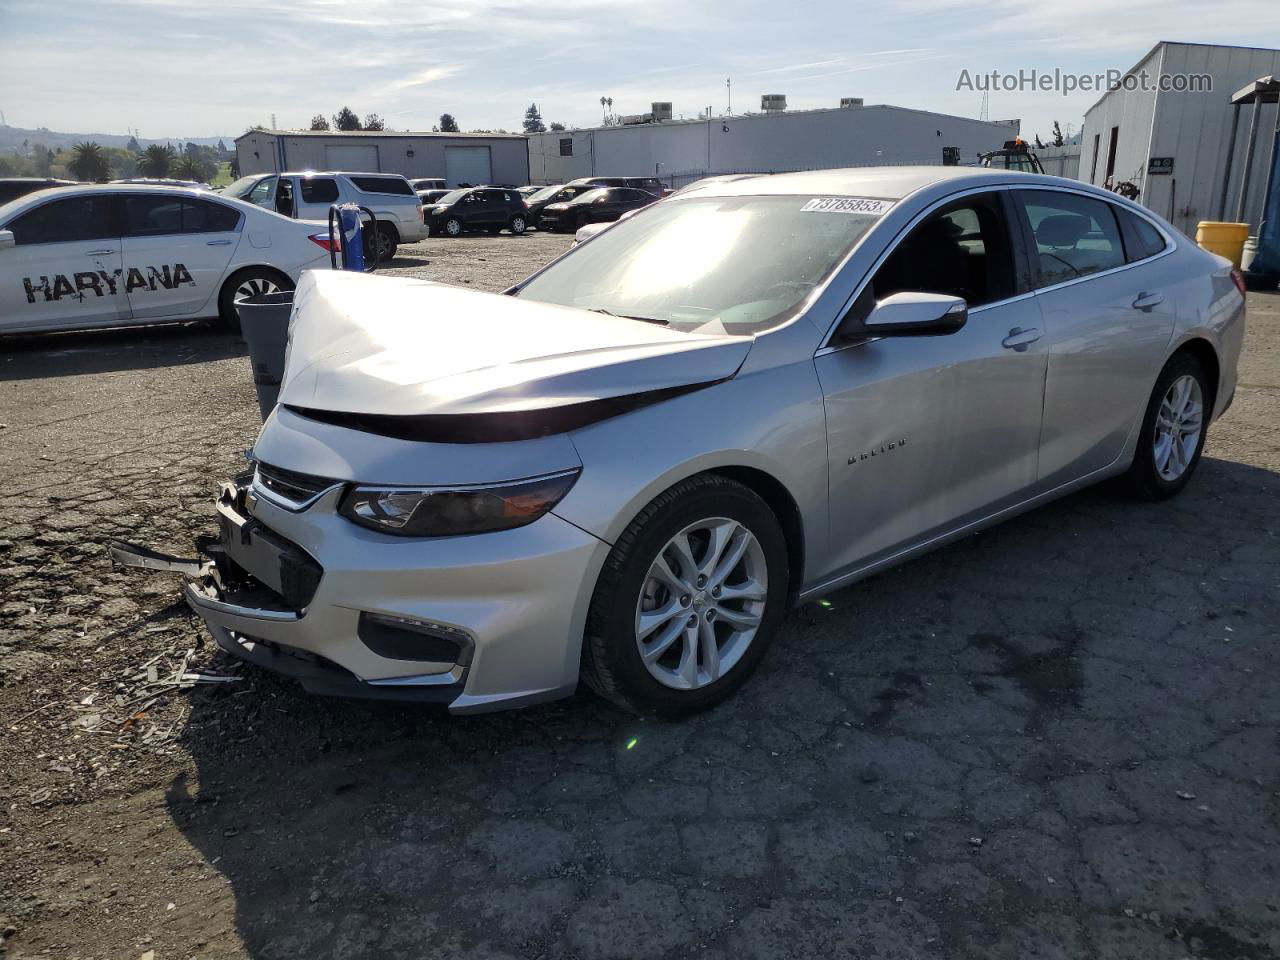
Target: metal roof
[{"x": 374, "y": 134}]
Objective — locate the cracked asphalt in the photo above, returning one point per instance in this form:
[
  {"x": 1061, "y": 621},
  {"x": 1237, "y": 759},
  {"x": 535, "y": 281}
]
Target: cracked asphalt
[{"x": 1060, "y": 738}]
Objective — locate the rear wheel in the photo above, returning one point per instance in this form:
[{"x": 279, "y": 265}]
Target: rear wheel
[
  {"x": 387, "y": 242},
  {"x": 688, "y": 600},
  {"x": 244, "y": 285},
  {"x": 1173, "y": 430},
  {"x": 518, "y": 225}
]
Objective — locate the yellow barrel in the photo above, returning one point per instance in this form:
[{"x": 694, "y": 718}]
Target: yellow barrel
[{"x": 1224, "y": 239}]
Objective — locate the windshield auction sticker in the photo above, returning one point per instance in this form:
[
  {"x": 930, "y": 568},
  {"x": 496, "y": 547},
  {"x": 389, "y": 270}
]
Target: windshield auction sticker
[{"x": 846, "y": 205}]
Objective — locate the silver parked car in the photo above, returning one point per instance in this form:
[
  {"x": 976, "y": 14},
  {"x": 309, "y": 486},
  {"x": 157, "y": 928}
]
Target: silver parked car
[{"x": 741, "y": 398}]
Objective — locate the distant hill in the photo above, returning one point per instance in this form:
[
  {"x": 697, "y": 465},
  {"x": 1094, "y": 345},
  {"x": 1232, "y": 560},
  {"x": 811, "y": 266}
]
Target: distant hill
[{"x": 12, "y": 139}]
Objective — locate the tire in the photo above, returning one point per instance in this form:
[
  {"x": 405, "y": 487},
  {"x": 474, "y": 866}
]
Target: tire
[
  {"x": 613, "y": 665},
  {"x": 252, "y": 281},
  {"x": 453, "y": 227},
  {"x": 388, "y": 242},
  {"x": 1153, "y": 474},
  {"x": 518, "y": 225}
]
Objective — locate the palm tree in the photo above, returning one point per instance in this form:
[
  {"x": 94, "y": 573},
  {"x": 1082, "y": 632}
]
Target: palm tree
[
  {"x": 89, "y": 162},
  {"x": 155, "y": 161}
]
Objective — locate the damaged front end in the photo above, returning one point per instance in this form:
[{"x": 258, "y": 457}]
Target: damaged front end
[{"x": 250, "y": 586}]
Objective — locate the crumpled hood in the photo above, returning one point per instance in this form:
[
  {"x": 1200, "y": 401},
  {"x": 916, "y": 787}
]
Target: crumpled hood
[{"x": 401, "y": 347}]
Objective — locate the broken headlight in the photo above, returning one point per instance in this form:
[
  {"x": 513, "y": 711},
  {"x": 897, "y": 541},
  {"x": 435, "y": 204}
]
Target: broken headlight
[{"x": 453, "y": 511}]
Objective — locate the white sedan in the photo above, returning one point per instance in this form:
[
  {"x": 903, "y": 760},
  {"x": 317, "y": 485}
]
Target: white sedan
[{"x": 115, "y": 254}]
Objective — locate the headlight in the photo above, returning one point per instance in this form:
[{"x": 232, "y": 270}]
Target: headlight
[
  {"x": 453, "y": 511},
  {"x": 439, "y": 209}
]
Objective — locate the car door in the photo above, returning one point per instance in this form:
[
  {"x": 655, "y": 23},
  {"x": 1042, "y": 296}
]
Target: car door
[
  {"x": 315, "y": 195},
  {"x": 1106, "y": 324},
  {"x": 926, "y": 434},
  {"x": 64, "y": 269},
  {"x": 176, "y": 250},
  {"x": 493, "y": 209},
  {"x": 263, "y": 193}
]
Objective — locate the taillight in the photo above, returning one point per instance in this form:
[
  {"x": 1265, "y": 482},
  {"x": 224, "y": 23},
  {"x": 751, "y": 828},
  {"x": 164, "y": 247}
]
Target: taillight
[
  {"x": 321, "y": 240},
  {"x": 1238, "y": 279}
]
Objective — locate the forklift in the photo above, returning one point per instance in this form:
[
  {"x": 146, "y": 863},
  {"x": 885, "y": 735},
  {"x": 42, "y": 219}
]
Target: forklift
[{"x": 1014, "y": 155}]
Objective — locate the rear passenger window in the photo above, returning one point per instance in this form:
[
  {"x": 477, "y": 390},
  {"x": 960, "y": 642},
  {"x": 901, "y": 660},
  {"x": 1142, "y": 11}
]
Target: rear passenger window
[
  {"x": 383, "y": 185},
  {"x": 157, "y": 216},
  {"x": 1074, "y": 235},
  {"x": 212, "y": 217},
  {"x": 319, "y": 190},
  {"x": 1141, "y": 239},
  {"x": 67, "y": 221}
]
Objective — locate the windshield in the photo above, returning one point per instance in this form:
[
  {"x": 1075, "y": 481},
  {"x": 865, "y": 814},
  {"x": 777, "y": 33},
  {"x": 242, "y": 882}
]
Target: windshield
[
  {"x": 453, "y": 196},
  {"x": 713, "y": 264},
  {"x": 543, "y": 194},
  {"x": 590, "y": 195},
  {"x": 240, "y": 189}
]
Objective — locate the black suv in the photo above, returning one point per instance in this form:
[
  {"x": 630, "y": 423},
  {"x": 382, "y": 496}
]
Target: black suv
[
  {"x": 597, "y": 205},
  {"x": 489, "y": 209}
]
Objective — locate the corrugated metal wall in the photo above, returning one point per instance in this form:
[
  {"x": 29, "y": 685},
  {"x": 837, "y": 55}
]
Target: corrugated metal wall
[
  {"x": 802, "y": 140},
  {"x": 1191, "y": 127}
]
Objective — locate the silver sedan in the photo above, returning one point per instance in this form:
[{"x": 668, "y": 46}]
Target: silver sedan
[{"x": 744, "y": 397}]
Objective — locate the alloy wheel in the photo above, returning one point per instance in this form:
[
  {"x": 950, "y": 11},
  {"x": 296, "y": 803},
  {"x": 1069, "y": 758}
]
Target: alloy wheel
[
  {"x": 453, "y": 228},
  {"x": 1179, "y": 422},
  {"x": 701, "y": 604},
  {"x": 252, "y": 287}
]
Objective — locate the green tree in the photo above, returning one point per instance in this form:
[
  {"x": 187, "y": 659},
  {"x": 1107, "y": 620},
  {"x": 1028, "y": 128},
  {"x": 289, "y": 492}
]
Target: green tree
[
  {"x": 222, "y": 147},
  {"x": 318, "y": 122},
  {"x": 533, "y": 120},
  {"x": 556, "y": 126},
  {"x": 89, "y": 162},
  {"x": 133, "y": 146},
  {"x": 448, "y": 124},
  {"x": 195, "y": 167},
  {"x": 346, "y": 119},
  {"x": 374, "y": 122},
  {"x": 41, "y": 159},
  {"x": 1058, "y": 139},
  {"x": 156, "y": 161}
]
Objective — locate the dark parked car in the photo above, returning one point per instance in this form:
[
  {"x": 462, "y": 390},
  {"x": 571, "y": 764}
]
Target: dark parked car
[
  {"x": 561, "y": 193},
  {"x": 600, "y": 205},
  {"x": 649, "y": 184},
  {"x": 431, "y": 197},
  {"x": 11, "y": 188},
  {"x": 478, "y": 208}
]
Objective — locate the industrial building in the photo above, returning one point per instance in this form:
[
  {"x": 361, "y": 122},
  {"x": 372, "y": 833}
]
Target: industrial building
[
  {"x": 457, "y": 157},
  {"x": 772, "y": 141},
  {"x": 1173, "y": 145}
]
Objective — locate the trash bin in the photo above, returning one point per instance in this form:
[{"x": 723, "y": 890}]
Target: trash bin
[
  {"x": 1224, "y": 239},
  {"x": 264, "y": 322}
]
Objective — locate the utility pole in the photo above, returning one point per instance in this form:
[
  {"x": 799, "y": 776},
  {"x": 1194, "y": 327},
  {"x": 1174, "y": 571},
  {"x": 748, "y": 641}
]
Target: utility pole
[
  {"x": 728, "y": 84},
  {"x": 273, "y": 121}
]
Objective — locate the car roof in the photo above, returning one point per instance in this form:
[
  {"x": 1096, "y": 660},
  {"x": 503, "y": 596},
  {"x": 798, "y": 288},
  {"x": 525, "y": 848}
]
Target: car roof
[
  {"x": 887, "y": 182},
  {"x": 36, "y": 197}
]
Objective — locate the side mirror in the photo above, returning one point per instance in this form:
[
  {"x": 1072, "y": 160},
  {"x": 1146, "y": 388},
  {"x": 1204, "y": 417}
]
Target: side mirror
[
  {"x": 906, "y": 314},
  {"x": 7, "y": 240}
]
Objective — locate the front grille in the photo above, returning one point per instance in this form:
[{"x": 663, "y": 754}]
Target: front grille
[{"x": 298, "y": 489}]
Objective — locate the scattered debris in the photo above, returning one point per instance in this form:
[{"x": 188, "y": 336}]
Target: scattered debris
[
  {"x": 1185, "y": 795},
  {"x": 975, "y": 841}
]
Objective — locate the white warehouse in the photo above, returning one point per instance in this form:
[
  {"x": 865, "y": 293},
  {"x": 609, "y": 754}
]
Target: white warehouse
[
  {"x": 1172, "y": 145},
  {"x": 459, "y": 158},
  {"x": 778, "y": 140}
]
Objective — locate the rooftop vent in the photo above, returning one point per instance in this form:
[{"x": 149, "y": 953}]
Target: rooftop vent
[
  {"x": 846, "y": 102},
  {"x": 661, "y": 109},
  {"x": 772, "y": 102}
]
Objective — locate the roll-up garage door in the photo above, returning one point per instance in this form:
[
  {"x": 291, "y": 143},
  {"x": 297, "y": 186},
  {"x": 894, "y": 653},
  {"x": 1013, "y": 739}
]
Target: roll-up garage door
[
  {"x": 352, "y": 158},
  {"x": 467, "y": 165}
]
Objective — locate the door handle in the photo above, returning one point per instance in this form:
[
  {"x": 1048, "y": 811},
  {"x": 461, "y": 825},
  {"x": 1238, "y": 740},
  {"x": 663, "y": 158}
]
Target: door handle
[
  {"x": 98, "y": 253},
  {"x": 217, "y": 243},
  {"x": 1146, "y": 301},
  {"x": 1019, "y": 339}
]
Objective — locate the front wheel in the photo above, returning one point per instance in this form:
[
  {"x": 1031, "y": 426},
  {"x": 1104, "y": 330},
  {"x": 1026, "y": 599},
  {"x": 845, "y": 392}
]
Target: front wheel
[
  {"x": 518, "y": 225},
  {"x": 453, "y": 227},
  {"x": 1173, "y": 430},
  {"x": 689, "y": 599}
]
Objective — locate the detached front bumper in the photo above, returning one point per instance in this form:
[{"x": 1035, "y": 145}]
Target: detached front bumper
[{"x": 476, "y": 623}]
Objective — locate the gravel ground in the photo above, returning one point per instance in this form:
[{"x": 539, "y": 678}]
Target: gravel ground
[{"x": 1057, "y": 739}]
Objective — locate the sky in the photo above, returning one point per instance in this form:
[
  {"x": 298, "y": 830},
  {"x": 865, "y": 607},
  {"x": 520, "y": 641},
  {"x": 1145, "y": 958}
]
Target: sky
[{"x": 173, "y": 69}]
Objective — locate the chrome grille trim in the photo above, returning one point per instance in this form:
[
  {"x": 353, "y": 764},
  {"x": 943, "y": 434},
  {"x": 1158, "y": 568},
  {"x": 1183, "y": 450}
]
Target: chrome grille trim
[{"x": 288, "y": 488}]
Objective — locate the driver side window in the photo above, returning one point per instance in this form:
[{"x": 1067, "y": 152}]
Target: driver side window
[{"x": 961, "y": 250}]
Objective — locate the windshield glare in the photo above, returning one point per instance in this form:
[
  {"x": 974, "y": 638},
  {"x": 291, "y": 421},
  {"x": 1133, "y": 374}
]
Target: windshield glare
[
  {"x": 543, "y": 194},
  {"x": 589, "y": 196},
  {"x": 241, "y": 187},
  {"x": 452, "y": 196},
  {"x": 712, "y": 265}
]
